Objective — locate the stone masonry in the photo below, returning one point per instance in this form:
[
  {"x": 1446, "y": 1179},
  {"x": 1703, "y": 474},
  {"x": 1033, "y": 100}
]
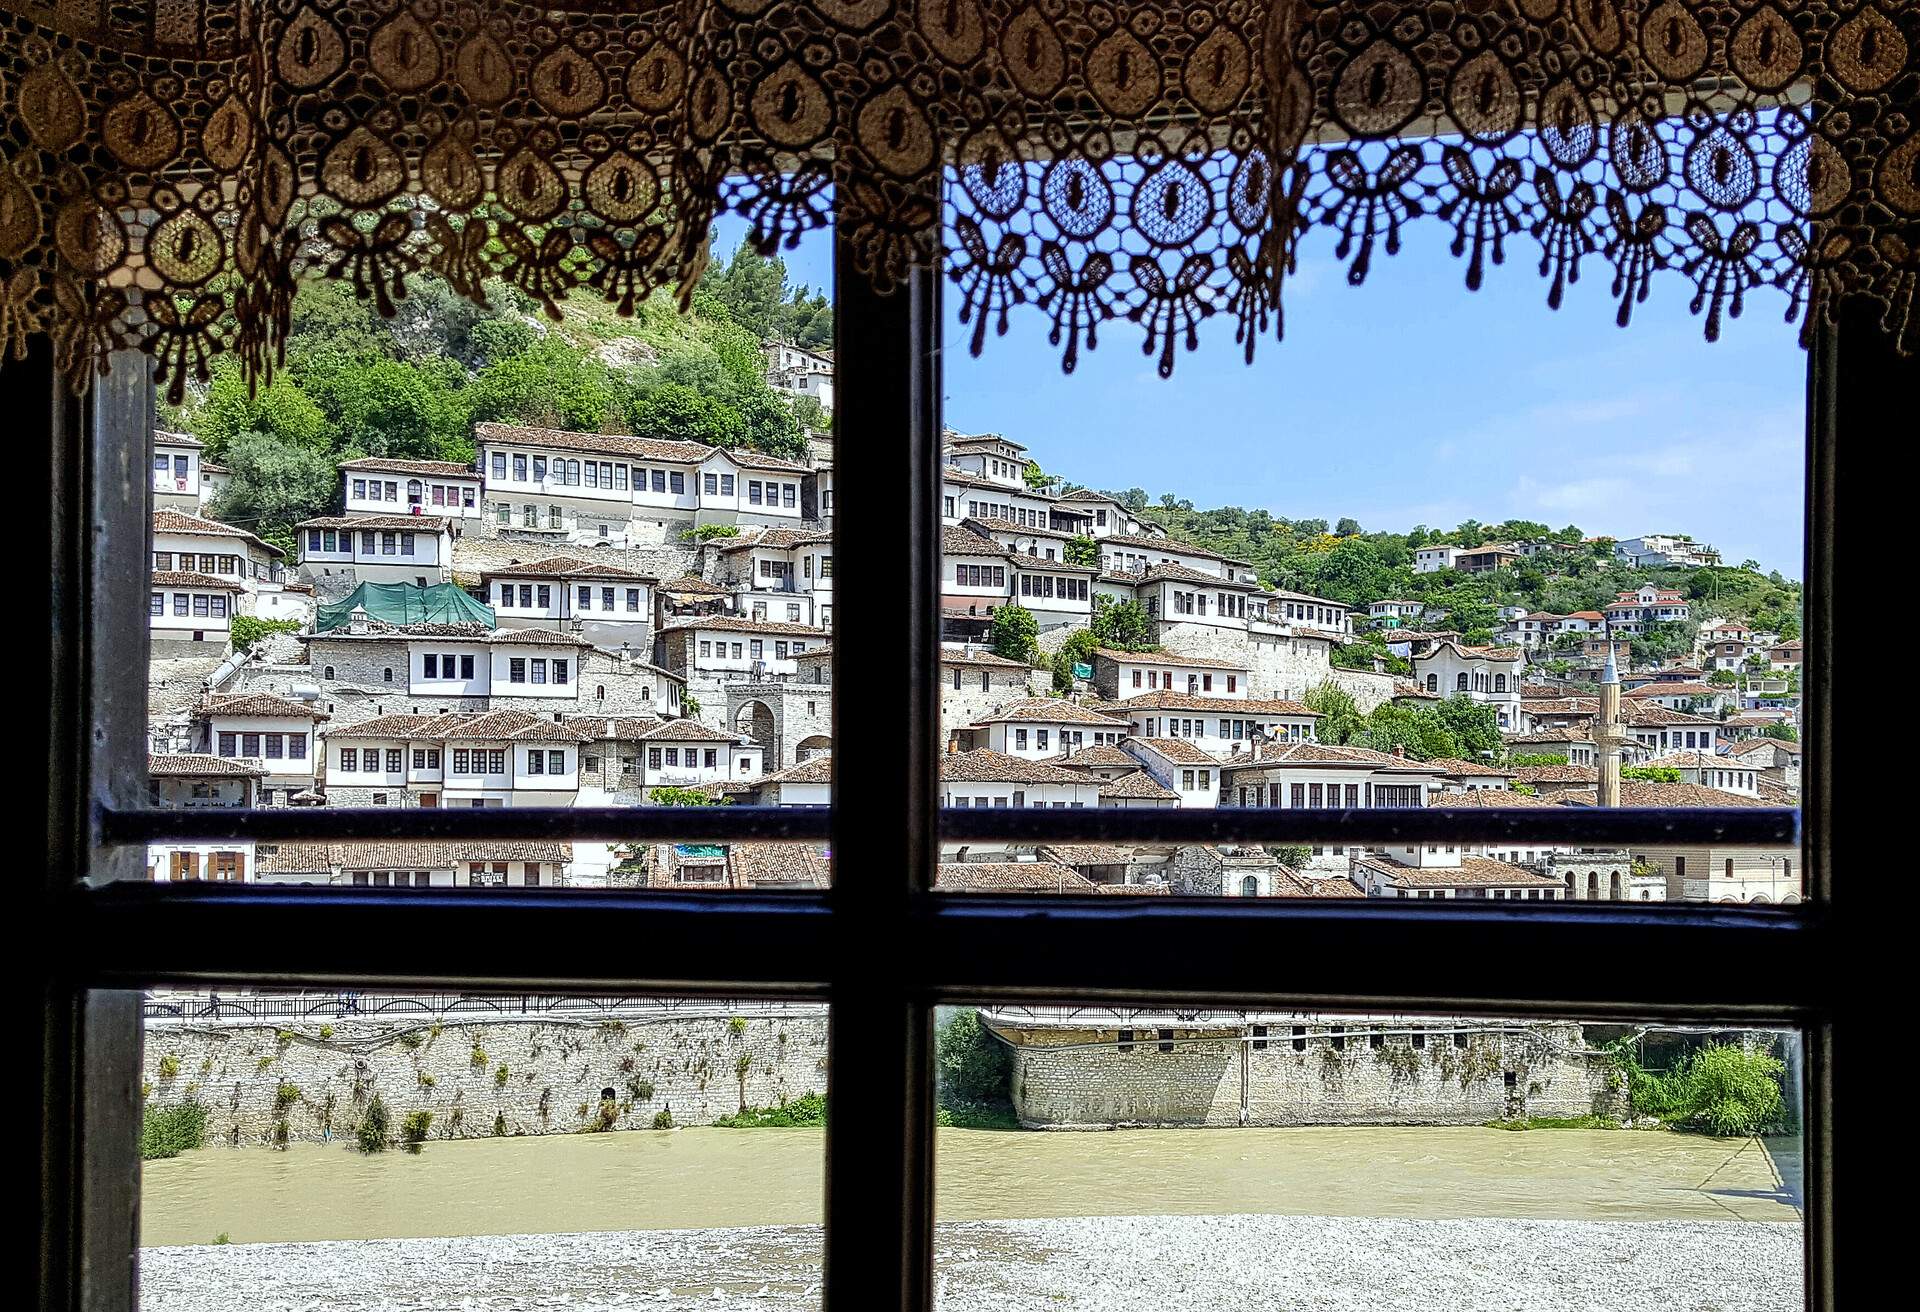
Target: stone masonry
[{"x": 483, "y": 1078}]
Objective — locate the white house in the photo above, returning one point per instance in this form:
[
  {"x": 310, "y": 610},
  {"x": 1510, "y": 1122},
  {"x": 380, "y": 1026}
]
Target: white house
[
  {"x": 461, "y": 759},
  {"x": 444, "y": 489},
  {"x": 414, "y": 549},
  {"x": 1034, "y": 728},
  {"x": 687, "y": 754},
  {"x": 987, "y": 779},
  {"x": 1110, "y": 519},
  {"x": 191, "y": 607},
  {"x": 810, "y": 783},
  {"x": 1177, "y": 597},
  {"x": 1448, "y": 871},
  {"x": 1224, "y": 727},
  {"x": 193, "y": 544},
  {"x": 278, "y": 734},
  {"x": 735, "y": 646},
  {"x": 496, "y": 863},
  {"x": 1489, "y": 675},
  {"x": 1300, "y": 611},
  {"x": 194, "y": 780},
  {"x": 1432, "y": 559},
  {"x": 1316, "y": 775},
  {"x": 606, "y": 603},
  {"x": 781, "y": 574},
  {"x": 1174, "y": 763},
  {"x": 1665, "y": 549},
  {"x": 1393, "y": 612},
  {"x": 177, "y": 479},
  {"x": 800, "y": 371},
  {"x": 1121, "y": 675}
]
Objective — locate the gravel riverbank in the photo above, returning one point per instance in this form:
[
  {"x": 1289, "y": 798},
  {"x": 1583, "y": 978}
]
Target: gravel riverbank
[{"x": 1089, "y": 1264}]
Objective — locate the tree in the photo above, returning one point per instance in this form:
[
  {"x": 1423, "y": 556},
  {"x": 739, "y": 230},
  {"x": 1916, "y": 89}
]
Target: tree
[
  {"x": 675, "y": 412},
  {"x": 280, "y": 410},
  {"x": 1473, "y": 724},
  {"x": 666, "y": 795},
  {"x": 1082, "y": 550},
  {"x": 973, "y": 1065},
  {"x": 1122, "y": 625},
  {"x": 1292, "y": 855},
  {"x": 1036, "y": 478},
  {"x": 273, "y": 486},
  {"x": 1347, "y": 528},
  {"x": 390, "y": 408},
  {"x": 1340, "y": 718},
  {"x": 548, "y": 385},
  {"x": 1076, "y": 650},
  {"x": 1785, "y": 733},
  {"x": 1012, "y": 632}
]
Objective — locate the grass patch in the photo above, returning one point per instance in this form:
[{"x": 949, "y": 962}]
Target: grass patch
[
  {"x": 169, "y": 1131},
  {"x": 808, "y": 1111},
  {"x": 1554, "y": 1123},
  {"x": 977, "y": 1116}
]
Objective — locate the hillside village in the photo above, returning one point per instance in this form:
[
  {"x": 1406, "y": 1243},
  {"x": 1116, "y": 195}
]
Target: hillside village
[{"x": 575, "y": 618}]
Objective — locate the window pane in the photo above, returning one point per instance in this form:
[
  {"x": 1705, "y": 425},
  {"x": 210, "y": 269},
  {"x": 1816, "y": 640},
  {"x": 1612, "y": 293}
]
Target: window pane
[
  {"x": 587, "y": 609},
  {"x": 1388, "y": 1161},
  {"x": 594, "y": 1149},
  {"x": 1372, "y": 569}
]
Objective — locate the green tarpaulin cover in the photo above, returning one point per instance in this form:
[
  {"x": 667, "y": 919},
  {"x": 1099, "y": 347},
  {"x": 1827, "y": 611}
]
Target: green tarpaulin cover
[{"x": 406, "y": 603}]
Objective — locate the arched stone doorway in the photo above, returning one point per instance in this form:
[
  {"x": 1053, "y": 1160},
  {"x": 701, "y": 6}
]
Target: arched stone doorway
[
  {"x": 755, "y": 720},
  {"x": 812, "y": 745},
  {"x": 1614, "y": 890},
  {"x": 1593, "y": 885}
]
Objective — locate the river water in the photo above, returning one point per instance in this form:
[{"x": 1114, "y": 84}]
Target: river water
[{"x": 710, "y": 1178}]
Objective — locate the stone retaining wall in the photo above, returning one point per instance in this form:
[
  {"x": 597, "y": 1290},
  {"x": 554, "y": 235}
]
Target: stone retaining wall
[{"x": 317, "y": 1080}]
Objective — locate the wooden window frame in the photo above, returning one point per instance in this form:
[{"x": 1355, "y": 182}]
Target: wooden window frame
[{"x": 880, "y": 945}]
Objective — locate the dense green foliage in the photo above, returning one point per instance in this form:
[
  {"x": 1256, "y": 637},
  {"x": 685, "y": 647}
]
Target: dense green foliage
[
  {"x": 373, "y": 1131},
  {"x": 1458, "y": 728},
  {"x": 971, "y": 1065},
  {"x": 355, "y": 384},
  {"x": 170, "y": 1131},
  {"x": 1650, "y": 774},
  {"x": 1012, "y": 632},
  {"x": 1722, "y": 1088},
  {"x": 668, "y": 795},
  {"x": 1122, "y": 625},
  {"x": 806, "y": 1111},
  {"x": 246, "y": 630}
]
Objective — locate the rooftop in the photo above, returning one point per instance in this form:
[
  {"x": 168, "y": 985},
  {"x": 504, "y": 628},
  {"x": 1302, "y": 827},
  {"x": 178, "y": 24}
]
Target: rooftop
[
  {"x": 431, "y": 468},
  {"x": 194, "y": 765},
  {"x": 984, "y": 766}
]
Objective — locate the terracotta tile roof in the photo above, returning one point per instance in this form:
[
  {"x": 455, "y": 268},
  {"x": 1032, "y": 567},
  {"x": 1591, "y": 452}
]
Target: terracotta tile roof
[
  {"x": 1161, "y": 657},
  {"x": 173, "y": 578},
  {"x": 162, "y": 438},
  {"x": 1187, "y": 701},
  {"x": 1453, "y": 765},
  {"x": 467, "y": 726},
  {"x": 688, "y": 585},
  {"x": 1673, "y": 689},
  {"x": 1272, "y": 754},
  {"x": 994, "y": 524},
  {"x": 958, "y": 541},
  {"x": 1696, "y": 760},
  {"x": 534, "y": 638},
  {"x": 1472, "y": 872},
  {"x": 432, "y": 468},
  {"x": 967, "y": 478},
  {"x": 777, "y": 865},
  {"x": 747, "y": 459},
  {"x": 564, "y": 567},
  {"x": 1472, "y": 653},
  {"x": 986, "y": 658},
  {"x": 772, "y": 539},
  {"x": 1010, "y": 877},
  {"x": 1136, "y": 787},
  {"x": 195, "y": 765},
  {"x": 1652, "y": 715},
  {"x": 985, "y": 766},
  {"x": 1776, "y": 794},
  {"x": 1031, "y": 563},
  {"x": 1750, "y": 746},
  {"x": 1482, "y": 799},
  {"x": 1147, "y": 542},
  {"x": 1171, "y": 573},
  {"x": 1051, "y": 710},
  {"x": 1555, "y": 774},
  {"x": 687, "y": 731},
  {"x": 741, "y": 624},
  {"x": 960, "y": 442},
  {"x": 1177, "y": 750},
  {"x": 1634, "y": 792},
  {"x": 1404, "y": 688},
  {"x": 618, "y": 728},
  {"x": 1290, "y": 883},
  {"x": 1546, "y": 736},
  {"x": 380, "y": 523},
  {"x": 178, "y": 521},
  {"x": 813, "y": 770},
  {"x": 1098, "y": 755},
  {"x": 261, "y": 704},
  {"x": 1086, "y": 854},
  {"x": 636, "y": 448}
]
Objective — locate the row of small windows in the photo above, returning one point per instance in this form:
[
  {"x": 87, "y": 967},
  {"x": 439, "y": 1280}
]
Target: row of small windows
[
  {"x": 203, "y": 564},
  {"x": 1231, "y": 730},
  {"x": 418, "y": 494},
  {"x": 540, "y": 596},
  {"x": 383, "y": 544},
  {"x": 263, "y": 746},
  {"x": 1071, "y": 740},
  {"x": 1195, "y": 682},
  {"x": 1395, "y": 796},
  {"x": 1045, "y": 585},
  {"x": 466, "y": 760},
  {"x": 1228, "y": 605},
  {"x": 1480, "y": 682},
  {"x": 1000, "y": 803},
  {"x": 753, "y": 649},
  {"x": 980, "y": 576},
  {"x": 198, "y": 604},
  {"x": 671, "y": 756}
]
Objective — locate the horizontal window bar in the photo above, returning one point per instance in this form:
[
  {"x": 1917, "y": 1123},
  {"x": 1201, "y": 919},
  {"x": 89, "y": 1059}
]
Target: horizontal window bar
[
  {"x": 683, "y": 824},
  {"x": 1574, "y": 957},
  {"x": 1584, "y": 826}
]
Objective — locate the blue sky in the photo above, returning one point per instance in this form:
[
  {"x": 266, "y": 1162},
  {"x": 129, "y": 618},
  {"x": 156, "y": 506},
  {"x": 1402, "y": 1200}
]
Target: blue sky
[{"x": 1410, "y": 400}]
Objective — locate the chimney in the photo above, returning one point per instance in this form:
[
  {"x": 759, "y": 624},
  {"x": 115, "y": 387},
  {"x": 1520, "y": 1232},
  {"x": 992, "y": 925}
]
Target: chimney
[{"x": 1399, "y": 751}]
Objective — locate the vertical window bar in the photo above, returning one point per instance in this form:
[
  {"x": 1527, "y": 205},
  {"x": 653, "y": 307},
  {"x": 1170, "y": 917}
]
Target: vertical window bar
[{"x": 880, "y": 1068}]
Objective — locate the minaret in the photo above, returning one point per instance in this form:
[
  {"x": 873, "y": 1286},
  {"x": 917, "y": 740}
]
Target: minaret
[{"x": 1607, "y": 731}]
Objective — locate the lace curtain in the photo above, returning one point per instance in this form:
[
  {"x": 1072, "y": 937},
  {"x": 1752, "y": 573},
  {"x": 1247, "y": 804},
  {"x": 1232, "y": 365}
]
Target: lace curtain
[{"x": 170, "y": 168}]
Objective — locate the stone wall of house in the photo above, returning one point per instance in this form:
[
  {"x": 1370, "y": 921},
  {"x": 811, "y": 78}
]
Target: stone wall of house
[
  {"x": 969, "y": 703},
  {"x": 798, "y": 711},
  {"x": 482, "y": 1078},
  {"x": 1464, "y": 1072},
  {"x": 1276, "y": 666},
  {"x": 1367, "y": 689}
]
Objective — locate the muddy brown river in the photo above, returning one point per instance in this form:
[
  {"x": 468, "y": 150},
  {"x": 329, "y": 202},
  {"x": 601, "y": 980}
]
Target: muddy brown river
[{"x": 716, "y": 1178}]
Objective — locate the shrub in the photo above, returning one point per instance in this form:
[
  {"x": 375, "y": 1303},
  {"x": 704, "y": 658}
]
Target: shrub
[
  {"x": 708, "y": 532},
  {"x": 974, "y": 1066},
  {"x": 222, "y": 1238},
  {"x": 500, "y": 1078},
  {"x": 663, "y": 1119},
  {"x": 169, "y": 1131},
  {"x": 285, "y": 1096},
  {"x": 169, "y": 1066},
  {"x": 326, "y": 1032},
  {"x": 737, "y": 1025},
  {"x": 414, "y": 1128},
  {"x": 1722, "y": 1088},
  {"x": 372, "y": 1130},
  {"x": 499, "y": 1124},
  {"x": 640, "y": 1090},
  {"x": 807, "y": 1111},
  {"x": 478, "y": 1057}
]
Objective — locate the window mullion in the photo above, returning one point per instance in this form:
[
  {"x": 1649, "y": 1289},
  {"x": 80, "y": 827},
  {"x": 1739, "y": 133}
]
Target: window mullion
[{"x": 886, "y": 712}]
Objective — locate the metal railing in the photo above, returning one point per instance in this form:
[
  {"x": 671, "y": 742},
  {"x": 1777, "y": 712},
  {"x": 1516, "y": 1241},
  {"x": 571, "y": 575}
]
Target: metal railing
[{"x": 171, "y": 1007}]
